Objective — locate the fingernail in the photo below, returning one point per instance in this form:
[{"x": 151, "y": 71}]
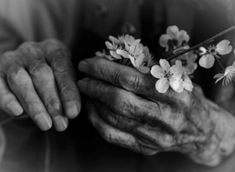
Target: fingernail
[
  {"x": 43, "y": 121},
  {"x": 72, "y": 109},
  {"x": 61, "y": 123},
  {"x": 83, "y": 66},
  {"x": 15, "y": 108}
]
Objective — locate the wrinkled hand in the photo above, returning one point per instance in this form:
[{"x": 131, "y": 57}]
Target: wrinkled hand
[
  {"x": 38, "y": 79},
  {"x": 128, "y": 111}
]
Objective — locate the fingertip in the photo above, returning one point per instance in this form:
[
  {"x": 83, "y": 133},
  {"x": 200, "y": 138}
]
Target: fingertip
[
  {"x": 83, "y": 66},
  {"x": 15, "y": 108},
  {"x": 43, "y": 121},
  {"x": 61, "y": 123},
  {"x": 72, "y": 109},
  {"x": 82, "y": 84}
]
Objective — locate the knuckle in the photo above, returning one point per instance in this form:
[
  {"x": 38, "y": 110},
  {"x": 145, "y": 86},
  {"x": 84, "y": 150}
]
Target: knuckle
[
  {"x": 33, "y": 108},
  {"x": 38, "y": 69},
  {"x": 126, "y": 107},
  {"x": 30, "y": 48},
  {"x": 25, "y": 46},
  {"x": 117, "y": 121},
  {"x": 60, "y": 65},
  {"x": 130, "y": 109},
  {"x": 56, "y": 47},
  {"x": 61, "y": 53},
  {"x": 64, "y": 87},
  {"x": 53, "y": 105},
  {"x": 133, "y": 82},
  {"x": 7, "y": 59},
  {"x": 31, "y": 52},
  {"x": 117, "y": 77},
  {"x": 67, "y": 89},
  {"x": 9, "y": 55},
  {"x": 16, "y": 75}
]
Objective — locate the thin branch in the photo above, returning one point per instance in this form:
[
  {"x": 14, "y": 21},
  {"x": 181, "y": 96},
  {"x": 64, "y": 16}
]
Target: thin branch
[{"x": 203, "y": 43}]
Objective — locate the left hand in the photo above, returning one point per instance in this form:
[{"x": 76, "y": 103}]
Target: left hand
[{"x": 128, "y": 111}]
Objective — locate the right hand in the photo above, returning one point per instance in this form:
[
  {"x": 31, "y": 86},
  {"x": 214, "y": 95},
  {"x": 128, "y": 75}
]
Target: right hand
[
  {"x": 38, "y": 79},
  {"x": 127, "y": 110}
]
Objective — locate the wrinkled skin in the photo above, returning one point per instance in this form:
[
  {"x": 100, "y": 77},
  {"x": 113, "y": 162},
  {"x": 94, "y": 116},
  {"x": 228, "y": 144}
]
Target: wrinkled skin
[
  {"x": 126, "y": 109},
  {"x": 37, "y": 79}
]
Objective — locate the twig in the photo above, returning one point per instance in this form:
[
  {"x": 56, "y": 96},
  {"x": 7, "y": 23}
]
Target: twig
[{"x": 203, "y": 43}]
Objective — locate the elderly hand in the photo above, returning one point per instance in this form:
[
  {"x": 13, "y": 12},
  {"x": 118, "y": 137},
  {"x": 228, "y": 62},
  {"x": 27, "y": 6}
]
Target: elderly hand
[
  {"x": 38, "y": 79},
  {"x": 128, "y": 111}
]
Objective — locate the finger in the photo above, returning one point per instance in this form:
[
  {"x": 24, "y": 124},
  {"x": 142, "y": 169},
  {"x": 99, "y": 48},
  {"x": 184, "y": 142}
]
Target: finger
[
  {"x": 60, "y": 61},
  {"x": 154, "y": 137},
  {"x": 8, "y": 101},
  {"x": 117, "y": 74},
  {"x": 132, "y": 106},
  {"x": 130, "y": 79},
  {"x": 22, "y": 86},
  {"x": 150, "y": 135},
  {"x": 44, "y": 83},
  {"x": 117, "y": 136}
]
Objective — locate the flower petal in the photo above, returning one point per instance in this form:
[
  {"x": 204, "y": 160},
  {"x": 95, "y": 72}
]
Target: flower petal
[
  {"x": 123, "y": 53},
  {"x": 99, "y": 54},
  {"x": 132, "y": 49},
  {"x": 207, "y": 61},
  {"x": 202, "y": 50},
  {"x": 164, "y": 64},
  {"x": 109, "y": 45},
  {"x": 183, "y": 36},
  {"x": 176, "y": 84},
  {"x": 187, "y": 84},
  {"x": 190, "y": 68},
  {"x": 224, "y": 47},
  {"x": 163, "y": 41},
  {"x": 218, "y": 77},
  {"x": 157, "y": 71},
  {"x": 139, "y": 60},
  {"x": 177, "y": 70},
  {"x": 162, "y": 85},
  {"x": 115, "y": 55},
  {"x": 172, "y": 31},
  {"x": 114, "y": 40},
  {"x": 133, "y": 60}
]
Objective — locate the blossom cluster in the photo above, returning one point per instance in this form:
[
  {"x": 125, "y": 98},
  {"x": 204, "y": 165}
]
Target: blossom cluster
[
  {"x": 129, "y": 48},
  {"x": 176, "y": 73}
]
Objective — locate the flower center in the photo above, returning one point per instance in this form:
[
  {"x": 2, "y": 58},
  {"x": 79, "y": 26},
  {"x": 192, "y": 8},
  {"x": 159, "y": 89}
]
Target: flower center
[
  {"x": 168, "y": 74},
  {"x": 212, "y": 50}
]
